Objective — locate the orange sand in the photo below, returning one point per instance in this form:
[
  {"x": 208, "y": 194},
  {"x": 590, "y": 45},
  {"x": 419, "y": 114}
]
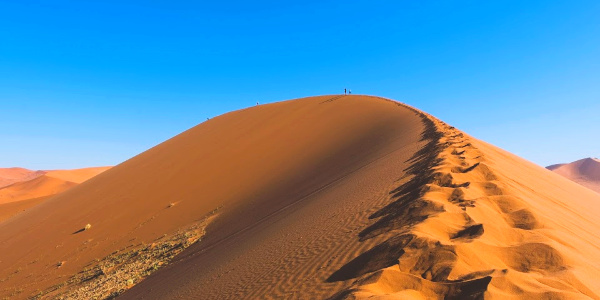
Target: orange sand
[
  {"x": 76, "y": 175},
  {"x": 35, "y": 188},
  {"x": 30, "y": 188},
  {"x": 332, "y": 196},
  {"x": 9, "y": 176}
]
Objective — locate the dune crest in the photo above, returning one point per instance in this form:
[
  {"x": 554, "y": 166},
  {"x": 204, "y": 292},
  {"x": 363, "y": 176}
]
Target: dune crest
[
  {"x": 337, "y": 197},
  {"x": 462, "y": 230}
]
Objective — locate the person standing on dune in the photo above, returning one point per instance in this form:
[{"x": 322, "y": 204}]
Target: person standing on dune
[{"x": 344, "y": 91}]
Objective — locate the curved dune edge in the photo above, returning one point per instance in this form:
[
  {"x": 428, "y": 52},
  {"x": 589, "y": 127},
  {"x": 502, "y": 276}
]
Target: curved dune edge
[
  {"x": 459, "y": 231},
  {"x": 469, "y": 220},
  {"x": 319, "y": 144}
]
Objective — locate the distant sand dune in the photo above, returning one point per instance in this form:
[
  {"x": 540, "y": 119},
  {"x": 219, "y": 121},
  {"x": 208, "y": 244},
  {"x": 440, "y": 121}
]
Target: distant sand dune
[
  {"x": 584, "y": 171},
  {"x": 29, "y": 188},
  {"x": 35, "y": 188},
  {"x": 9, "y": 176},
  {"x": 337, "y": 197},
  {"x": 506, "y": 243}
]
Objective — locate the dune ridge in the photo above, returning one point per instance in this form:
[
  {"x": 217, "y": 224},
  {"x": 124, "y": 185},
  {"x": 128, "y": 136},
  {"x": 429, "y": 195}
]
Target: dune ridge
[
  {"x": 445, "y": 235},
  {"x": 337, "y": 197},
  {"x": 254, "y": 165},
  {"x": 468, "y": 221}
]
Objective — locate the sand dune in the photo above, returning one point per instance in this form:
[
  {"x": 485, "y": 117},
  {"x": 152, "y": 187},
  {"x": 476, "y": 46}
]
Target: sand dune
[
  {"x": 335, "y": 197},
  {"x": 9, "y": 176},
  {"x": 33, "y": 187},
  {"x": 76, "y": 175},
  {"x": 584, "y": 171}
]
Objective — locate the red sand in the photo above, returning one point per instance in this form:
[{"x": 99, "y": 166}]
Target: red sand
[
  {"x": 30, "y": 188},
  {"x": 350, "y": 196}
]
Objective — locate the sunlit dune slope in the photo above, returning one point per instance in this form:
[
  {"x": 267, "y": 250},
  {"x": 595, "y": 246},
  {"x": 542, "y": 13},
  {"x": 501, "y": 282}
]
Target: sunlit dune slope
[
  {"x": 584, "y": 171},
  {"x": 335, "y": 197},
  {"x": 9, "y": 176},
  {"x": 464, "y": 220}
]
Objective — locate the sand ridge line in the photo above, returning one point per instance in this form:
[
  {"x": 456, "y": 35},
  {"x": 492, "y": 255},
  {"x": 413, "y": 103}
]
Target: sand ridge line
[
  {"x": 448, "y": 218},
  {"x": 422, "y": 255},
  {"x": 290, "y": 255},
  {"x": 308, "y": 260},
  {"x": 400, "y": 217}
]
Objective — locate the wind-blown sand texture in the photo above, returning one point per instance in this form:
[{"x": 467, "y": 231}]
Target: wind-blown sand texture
[
  {"x": 325, "y": 197},
  {"x": 584, "y": 171}
]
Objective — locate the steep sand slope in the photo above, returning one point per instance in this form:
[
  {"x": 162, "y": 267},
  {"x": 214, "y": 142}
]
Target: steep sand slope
[
  {"x": 341, "y": 197},
  {"x": 249, "y": 167},
  {"x": 584, "y": 171},
  {"x": 484, "y": 223},
  {"x": 9, "y": 176},
  {"x": 464, "y": 220}
]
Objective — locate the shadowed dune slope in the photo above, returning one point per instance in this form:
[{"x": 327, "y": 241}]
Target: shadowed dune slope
[
  {"x": 463, "y": 220},
  {"x": 9, "y": 176},
  {"x": 584, "y": 171},
  {"x": 332, "y": 197},
  {"x": 252, "y": 167}
]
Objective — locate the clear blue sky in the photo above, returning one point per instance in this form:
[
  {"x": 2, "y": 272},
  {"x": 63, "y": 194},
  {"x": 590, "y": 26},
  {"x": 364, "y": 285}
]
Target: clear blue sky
[{"x": 86, "y": 83}]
